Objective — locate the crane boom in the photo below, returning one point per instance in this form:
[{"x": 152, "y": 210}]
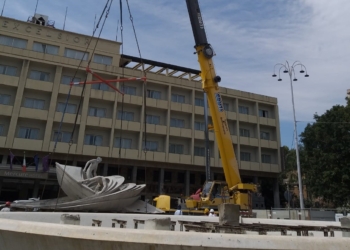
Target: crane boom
[{"x": 210, "y": 85}]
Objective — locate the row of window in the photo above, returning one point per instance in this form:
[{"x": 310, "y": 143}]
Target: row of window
[
  {"x": 126, "y": 143},
  {"x": 54, "y": 50},
  {"x": 130, "y": 90}
]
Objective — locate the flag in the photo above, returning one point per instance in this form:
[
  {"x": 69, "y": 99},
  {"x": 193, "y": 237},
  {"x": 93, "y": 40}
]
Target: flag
[
  {"x": 36, "y": 162},
  {"x": 12, "y": 156},
  {"x": 24, "y": 165},
  {"x": 46, "y": 163}
]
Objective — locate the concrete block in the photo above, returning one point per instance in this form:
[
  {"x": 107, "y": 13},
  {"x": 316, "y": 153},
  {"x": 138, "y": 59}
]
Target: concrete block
[
  {"x": 229, "y": 214},
  {"x": 158, "y": 224},
  {"x": 70, "y": 219},
  {"x": 345, "y": 222}
]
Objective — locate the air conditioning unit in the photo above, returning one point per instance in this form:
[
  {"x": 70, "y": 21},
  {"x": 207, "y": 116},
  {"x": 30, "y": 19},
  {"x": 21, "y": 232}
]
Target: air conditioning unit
[{"x": 40, "y": 19}]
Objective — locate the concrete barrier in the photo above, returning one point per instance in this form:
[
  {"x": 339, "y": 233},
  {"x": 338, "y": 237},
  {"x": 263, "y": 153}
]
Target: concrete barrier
[{"x": 17, "y": 235}]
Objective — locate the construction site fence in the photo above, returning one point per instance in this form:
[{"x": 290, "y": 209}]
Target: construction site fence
[{"x": 301, "y": 214}]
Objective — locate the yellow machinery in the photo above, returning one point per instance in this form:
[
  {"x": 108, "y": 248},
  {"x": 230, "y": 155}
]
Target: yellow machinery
[{"x": 214, "y": 192}]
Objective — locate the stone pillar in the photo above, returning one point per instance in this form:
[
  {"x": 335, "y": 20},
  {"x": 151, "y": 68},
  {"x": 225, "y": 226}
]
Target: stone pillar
[
  {"x": 229, "y": 214},
  {"x": 105, "y": 169},
  {"x": 158, "y": 224},
  {"x": 187, "y": 183},
  {"x": 276, "y": 194},
  {"x": 4, "y": 159},
  {"x": 70, "y": 219},
  {"x": 161, "y": 181},
  {"x": 36, "y": 189},
  {"x": 345, "y": 222},
  {"x": 134, "y": 174}
]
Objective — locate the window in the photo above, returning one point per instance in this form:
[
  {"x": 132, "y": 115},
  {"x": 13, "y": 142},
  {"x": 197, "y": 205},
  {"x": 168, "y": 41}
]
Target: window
[
  {"x": 34, "y": 103},
  {"x": 181, "y": 177},
  {"x": 98, "y": 112},
  {"x": 226, "y": 106},
  {"x": 245, "y": 156},
  {"x": 152, "y": 119},
  {"x": 192, "y": 179},
  {"x": 243, "y": 110},
  {"x": 126, "y": 116},
  {"x": 28, "y": 133},
  {"x": 62, "y": 137},
  {"x": 199, "y": 102},
  {"x": 176, "y": 149},
  {"x": 8, "y": 70},
  {"x": 129, "y": 90},
  {"x": 177, "y": 123},
  {"x": 125, "y": 142},
  {"x": 68, "y": 79},
  {"x": 76, "y": 54},
  {"x": 199, "y": 151},
  {"x": 264, "y": 135},
  {"x": 45, "y": 48},
  {"x": 150, "y": 145},
  {"x": 13, "y": 42},
  {"x": 199, "y": 126},
  {"x": 244, "y": 132},
  {"x": 265, "y": 158},
  {"x": 177, "y": 98},
  {"x": 167, "y": 176},
  {"x": 71, "y": 108},
  {"x": 2, "y": 130},
  {"x": 5, "y": 99},
  {"x": 107, "y": 60},
  {"x": 100, "y": 86},
  {"x": 39, "y": 76},
  {"x": 95, "y": 140},
  {"x": 153, "y": 94},
  {"x": 263, "y": 113}
]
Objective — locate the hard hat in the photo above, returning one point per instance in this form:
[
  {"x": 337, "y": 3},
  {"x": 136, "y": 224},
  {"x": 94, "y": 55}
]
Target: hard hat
[
  {"x": 206, "y": 210},
  {"x": 7, "y": 203},
  {"x": 212, "y": 210}
]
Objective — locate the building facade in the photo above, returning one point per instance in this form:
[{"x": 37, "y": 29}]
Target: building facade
[
  {"x": 348, "y": 93},
  {"x": 37, "y": 63}
]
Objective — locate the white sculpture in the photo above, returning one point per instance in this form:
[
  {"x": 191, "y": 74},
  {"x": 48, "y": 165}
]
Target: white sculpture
[
  {"x": 97, "y": 183},
  {"x": 90, "y": 168}
]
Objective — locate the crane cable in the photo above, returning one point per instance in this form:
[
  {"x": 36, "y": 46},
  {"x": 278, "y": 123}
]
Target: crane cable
[
  {"x": 123, "y": 85},
  {"x": 70, "y": 89},
  {"x": 144, "y": 92},
  {"x": 105, "y": 11}
]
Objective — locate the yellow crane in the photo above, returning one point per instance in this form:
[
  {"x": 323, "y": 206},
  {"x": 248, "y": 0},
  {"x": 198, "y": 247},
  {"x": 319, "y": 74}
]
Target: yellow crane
[{"x": 214, "y": 192}]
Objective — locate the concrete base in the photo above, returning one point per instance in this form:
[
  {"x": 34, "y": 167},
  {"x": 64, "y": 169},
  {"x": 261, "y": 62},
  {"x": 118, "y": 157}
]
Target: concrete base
[
  {"x": 229, "y": 214},
  {"x": 18, "y": 235},
  {"x": 158, "y": 224},
  {"x": 70, "y": 219},
  {"x": 345, "y": 222}
]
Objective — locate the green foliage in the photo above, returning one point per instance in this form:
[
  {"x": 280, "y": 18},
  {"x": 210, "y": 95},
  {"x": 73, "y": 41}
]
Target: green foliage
[{"x": 326, "y": 165}]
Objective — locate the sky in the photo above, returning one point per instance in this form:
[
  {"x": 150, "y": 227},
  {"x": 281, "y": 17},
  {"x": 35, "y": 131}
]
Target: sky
[{"x": 249, "y": 38}]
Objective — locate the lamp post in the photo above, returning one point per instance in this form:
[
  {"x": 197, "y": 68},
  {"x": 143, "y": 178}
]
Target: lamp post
[{"x": 290, "y": 69}]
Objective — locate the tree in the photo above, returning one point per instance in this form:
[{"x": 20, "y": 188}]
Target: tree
[{"x": 326, "y": 165}]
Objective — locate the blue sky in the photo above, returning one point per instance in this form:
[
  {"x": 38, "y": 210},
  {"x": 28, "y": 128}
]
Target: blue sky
[{"x": 249, "y": 38}]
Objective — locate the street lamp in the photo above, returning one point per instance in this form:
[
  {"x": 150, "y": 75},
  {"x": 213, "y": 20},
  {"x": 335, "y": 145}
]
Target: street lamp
[{"x": 291, "y": 72}]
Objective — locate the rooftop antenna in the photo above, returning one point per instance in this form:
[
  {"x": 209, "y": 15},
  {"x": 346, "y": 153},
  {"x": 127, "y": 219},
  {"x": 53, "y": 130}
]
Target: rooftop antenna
[
  {"x": 65, "y": 16},
  {"x": 37, "y": 1},
  {"x": 3, "y": 7},
  {"x": 116, "y": 36},
  {"x": 94, "y": 23}
]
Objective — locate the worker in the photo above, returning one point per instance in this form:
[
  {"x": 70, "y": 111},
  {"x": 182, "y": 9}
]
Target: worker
[
  {"x": 212, "y": 213},
  {"x": 7, "y": 207},
  {"x": 206, "y": 212},
  {"x": 178, "y": 211}
]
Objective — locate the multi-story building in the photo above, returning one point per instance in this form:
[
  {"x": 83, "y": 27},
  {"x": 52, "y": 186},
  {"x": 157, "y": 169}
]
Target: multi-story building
[{"x": 37, "y": 63}]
